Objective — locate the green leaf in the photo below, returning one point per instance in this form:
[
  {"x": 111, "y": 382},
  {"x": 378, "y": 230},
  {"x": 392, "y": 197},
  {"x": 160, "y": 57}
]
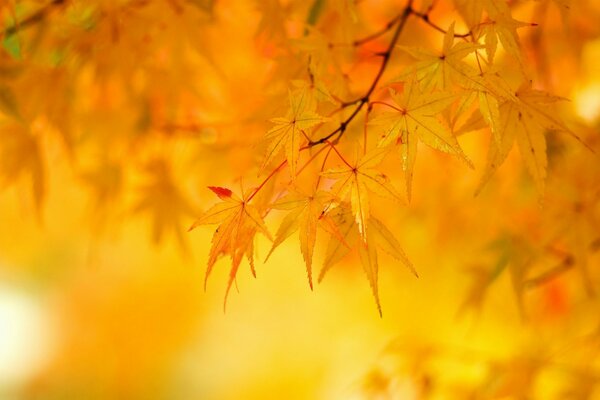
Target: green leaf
[
  {"x": 12, "y": 45},
  {"x": 315, "y": 12}
]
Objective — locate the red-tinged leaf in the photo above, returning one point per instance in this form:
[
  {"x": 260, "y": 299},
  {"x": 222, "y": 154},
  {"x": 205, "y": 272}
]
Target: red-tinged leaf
[{"x": 223, "y": 193}]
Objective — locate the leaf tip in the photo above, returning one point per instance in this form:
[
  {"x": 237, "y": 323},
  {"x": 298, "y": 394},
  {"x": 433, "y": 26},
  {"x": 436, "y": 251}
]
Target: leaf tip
[{"x": 222, "y": 193}]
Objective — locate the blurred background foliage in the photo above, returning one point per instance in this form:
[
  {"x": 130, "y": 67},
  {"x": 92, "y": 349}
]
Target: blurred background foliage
[{"x": 116, "y": 114}]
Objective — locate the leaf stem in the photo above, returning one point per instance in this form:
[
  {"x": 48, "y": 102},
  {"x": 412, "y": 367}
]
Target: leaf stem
[
  {"x": 369, "y": 109},
  {"x": 266, "y": 180},
  {"x": 280, "y": 166},
  {"x": 323, "y": 166},
  {"x": 340, "y": 155}
]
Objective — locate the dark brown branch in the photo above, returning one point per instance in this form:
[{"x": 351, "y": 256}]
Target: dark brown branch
[
  {"x": 33, "y": 19},
  {"x": 381, "y": 32},
  {"x": 425, "y": 18},
  {"x": 360, "y": 102},
  {"x": 566, "y": 264}
]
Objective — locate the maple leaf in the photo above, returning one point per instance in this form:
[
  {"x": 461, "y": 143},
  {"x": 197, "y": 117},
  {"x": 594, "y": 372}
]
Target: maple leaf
[
  {"x": 489, "y": 89},
  {"x": 323, "y": 61},
  {"x": 573, "y": 217},
  {"x": 273, "y": 19},
  {"x": 482, "y": 279},
  {"x": 470, "y": 10},
  {"x": 338, "y": 249},
  {"x": 239, "y": 221},
  {"x": 307, "y": 212},
  {"x": 20, "y": 155},
  {"x": 380, "y": 236},
  {"x": 163, "y": 200},
  {"x": 513, "y": 377},
  {"x": 440, "y": 69},
  {"x": 291, "y": 130},
  {"x": 357, "y": 180},
  {"x": 106, "y": 183},
  {"x": 377, "y": 236},
  {"x": 502, "y": 26},
  {"x": 525, "y": 119},
  {"x": 316, "y": 90},
  {"x": 515, "y": 256},
  {"x": 415, "y": 119}
]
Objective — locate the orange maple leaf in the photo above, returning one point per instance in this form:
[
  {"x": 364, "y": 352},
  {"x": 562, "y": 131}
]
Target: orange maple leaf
[{"x": 238, "y": 223}]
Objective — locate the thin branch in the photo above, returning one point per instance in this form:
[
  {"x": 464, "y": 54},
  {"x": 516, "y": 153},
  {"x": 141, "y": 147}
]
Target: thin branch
[
  {"x": 381, "y": 32},
  {"x": 549, "y": 275},
  {"x": 425, "y": 18},
  {"x": 383, "y": 103},
  {"x": 279, "y": 167},
  {"x": 401, "y": 21},
  {"x": 33, "y": 19}
]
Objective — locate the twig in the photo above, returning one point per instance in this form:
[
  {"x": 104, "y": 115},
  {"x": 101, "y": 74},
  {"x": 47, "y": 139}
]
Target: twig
[
  {"x": 33, "y": 19},
  {"x": 381, "y": 32},
  {"x": 425, "y": 18},
  {"x": 401, "y": 21}
]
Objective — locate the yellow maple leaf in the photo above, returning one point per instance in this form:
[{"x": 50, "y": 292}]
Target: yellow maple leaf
[
  {"x": 525, "y": 119},
  {"x": 307, "y": 212},
  {"x": 415, "y": 119},
  {"x": 502, "y": 27},
  {"x": 357, "y": 180},
  {"x": 377, "y": 236},
  {"x": 440, "y": 69},
  {"x": 291, "y": 130},
  {"x": 489, "y": 89}
]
